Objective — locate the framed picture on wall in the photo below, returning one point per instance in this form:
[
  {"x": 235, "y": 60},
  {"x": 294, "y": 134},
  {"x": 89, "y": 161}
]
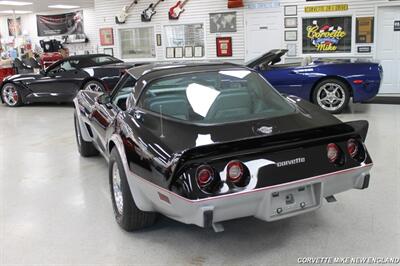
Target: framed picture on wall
[
  {"x": 109, "y": 51},
  {"x": 291, "y": 35},
  {"x": 178, "y": 52},
  {"x": 198, "y": 51},
  {"x": 106, "y": 36},
  {"x": 291, "y": 22},
  {"x": 223, "y": 22},
  {"x": 224, "y": 46},
  {"x": 170, "y": 52},
  {"x": 365, "y": 30},
  {"x": 189, "y": 51},
  {"x": 291, "y": 10},
  {"x": 292, "y": 50},
  {"x": 158, "y": 38}
]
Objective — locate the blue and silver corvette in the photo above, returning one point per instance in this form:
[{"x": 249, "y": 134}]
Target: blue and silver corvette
[{"x": 330, "y": 84}]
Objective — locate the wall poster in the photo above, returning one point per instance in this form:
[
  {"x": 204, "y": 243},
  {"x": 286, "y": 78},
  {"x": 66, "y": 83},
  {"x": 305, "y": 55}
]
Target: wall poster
[
  {"x": 224, "y": 46},
  {"x": 327, "y": 35},
  {"x": 223, "y": 22},
  {"x": 106, "y": 36},
  {"x": 14, "y": 27},
  {"x": 61, "y": 24},
  {"x": 365, "y": 30}
]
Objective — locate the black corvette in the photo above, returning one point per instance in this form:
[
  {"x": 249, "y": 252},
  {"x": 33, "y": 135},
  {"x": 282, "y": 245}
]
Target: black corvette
[
  {"x": 62, "y": 80},
  {"x": 207, "y": 143}
]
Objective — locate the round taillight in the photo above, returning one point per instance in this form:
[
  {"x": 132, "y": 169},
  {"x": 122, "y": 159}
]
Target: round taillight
[
  {"x": 204, "y": 176},
  {"x": 333, "y": 152},
  {"x": 352, "y": 148},
  {"x": 234, "y": 171}
]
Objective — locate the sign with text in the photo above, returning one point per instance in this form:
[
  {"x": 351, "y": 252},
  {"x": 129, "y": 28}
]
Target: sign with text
[
  {"x": 327, "y": 35},
  {"x": 329, "y": 8}
]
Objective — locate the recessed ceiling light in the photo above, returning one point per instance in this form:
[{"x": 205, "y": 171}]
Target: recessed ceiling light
[
  {"x": 63, "y": 6},
  {"x": 16, "y": 12},
  {"x": 14, "y": 3}
]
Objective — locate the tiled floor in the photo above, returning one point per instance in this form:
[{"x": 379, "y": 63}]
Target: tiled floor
[{"x": 55, "y": 206}]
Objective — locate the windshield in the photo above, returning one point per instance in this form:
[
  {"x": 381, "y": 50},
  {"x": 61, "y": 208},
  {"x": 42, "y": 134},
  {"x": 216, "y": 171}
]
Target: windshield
[
  {"x": 215, "y": 97},
  {"x": 98, "y": 61}
]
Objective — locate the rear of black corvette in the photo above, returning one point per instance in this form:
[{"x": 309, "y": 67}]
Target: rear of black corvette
[
  {"x": 271, "y": 177},
  {"x": 208, "y": 172}
]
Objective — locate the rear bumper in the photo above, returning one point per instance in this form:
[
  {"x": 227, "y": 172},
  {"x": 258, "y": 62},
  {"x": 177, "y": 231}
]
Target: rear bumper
[
  {"x": 366, "y": 92},
  {"x": 258, "y": 203}
]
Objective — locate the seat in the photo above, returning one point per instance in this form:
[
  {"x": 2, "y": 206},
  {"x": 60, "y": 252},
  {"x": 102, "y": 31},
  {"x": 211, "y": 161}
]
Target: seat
[
  {"x": 171, "y": 105},
  {"x": 230, "y": 103}
]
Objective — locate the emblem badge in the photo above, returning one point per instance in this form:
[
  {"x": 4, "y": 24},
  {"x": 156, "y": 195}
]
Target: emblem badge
[{"x": 265, "y": 130}]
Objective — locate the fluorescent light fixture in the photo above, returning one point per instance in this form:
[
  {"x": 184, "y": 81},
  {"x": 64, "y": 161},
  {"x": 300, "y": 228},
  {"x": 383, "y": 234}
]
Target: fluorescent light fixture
[
  {"x": 63, "y": 6},
  {"x": 14, "y": 3},
  {"x": 20, "y": 12}
]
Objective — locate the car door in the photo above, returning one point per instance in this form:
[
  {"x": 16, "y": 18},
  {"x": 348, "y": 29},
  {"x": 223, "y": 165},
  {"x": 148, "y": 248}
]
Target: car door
[
  {"x": 61, "y": 81},
  {"x": 103, "y": 114},
  {"x": 288, "y": 80}
]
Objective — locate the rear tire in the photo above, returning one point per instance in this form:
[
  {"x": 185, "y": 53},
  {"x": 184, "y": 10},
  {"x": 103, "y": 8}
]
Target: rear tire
[
  {"x": 85, "y": 148},
  {"x": 94, "y": 85},
  {"x": 332, "y": 95},
  {"x": 127, "y": 214},
  {"x": 10, "y": 95}
]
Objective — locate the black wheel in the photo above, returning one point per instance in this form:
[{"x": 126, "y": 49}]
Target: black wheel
[
  {"x": 94, "y": 85},
  {"x": 86, "y": 149},
  {"x": 127, "y": 214},
  {"x": 332, "y": 95},
  {"x": 11, "y": 95}
]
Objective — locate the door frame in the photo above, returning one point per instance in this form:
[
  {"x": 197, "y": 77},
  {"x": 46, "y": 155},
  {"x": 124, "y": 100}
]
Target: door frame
[
  {"x": 376, "y": 13},
  {"x": 375, "y": 54}
]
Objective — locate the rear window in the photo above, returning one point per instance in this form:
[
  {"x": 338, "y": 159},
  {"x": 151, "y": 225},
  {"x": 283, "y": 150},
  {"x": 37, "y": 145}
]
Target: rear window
[{"x": 215, "y": 97}]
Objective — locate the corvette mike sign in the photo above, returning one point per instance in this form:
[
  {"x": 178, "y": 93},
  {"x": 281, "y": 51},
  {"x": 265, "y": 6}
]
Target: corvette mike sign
[
  {"x": 327, "y": 35},
  {"x": 61, "y": 24}
]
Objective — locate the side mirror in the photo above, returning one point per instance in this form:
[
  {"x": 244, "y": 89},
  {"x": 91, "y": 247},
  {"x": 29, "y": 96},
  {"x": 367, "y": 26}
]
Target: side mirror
[{"x": 104, "y": 99}]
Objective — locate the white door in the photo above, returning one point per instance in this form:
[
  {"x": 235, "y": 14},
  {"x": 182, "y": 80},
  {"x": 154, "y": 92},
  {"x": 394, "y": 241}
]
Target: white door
[
  {"x": 388, "y": 48},
  {"x": 264, "y": 31}
]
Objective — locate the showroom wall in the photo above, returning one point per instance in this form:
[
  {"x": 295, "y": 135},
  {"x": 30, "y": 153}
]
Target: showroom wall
[
  {"x": 196, "y": 12},
  {"x": 244, "y": 47},
  {"x": 29, "y": 26}
]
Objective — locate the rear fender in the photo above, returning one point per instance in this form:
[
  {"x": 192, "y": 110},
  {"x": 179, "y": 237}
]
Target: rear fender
[{"x": 141, "y": 200}]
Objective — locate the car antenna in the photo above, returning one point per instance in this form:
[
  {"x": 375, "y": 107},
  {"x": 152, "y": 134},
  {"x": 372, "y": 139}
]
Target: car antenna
[{"x": 161, "y": 123}]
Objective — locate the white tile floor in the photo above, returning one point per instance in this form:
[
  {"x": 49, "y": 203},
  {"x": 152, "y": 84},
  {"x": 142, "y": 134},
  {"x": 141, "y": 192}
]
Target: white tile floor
[{"x": 55, "y": 206}]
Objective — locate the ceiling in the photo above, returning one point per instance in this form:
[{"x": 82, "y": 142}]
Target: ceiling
[{"x": 42, "y": 5}]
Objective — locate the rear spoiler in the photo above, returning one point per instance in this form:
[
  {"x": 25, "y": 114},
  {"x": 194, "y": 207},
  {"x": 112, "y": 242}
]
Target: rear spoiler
[{"x": 272, "y": 143}]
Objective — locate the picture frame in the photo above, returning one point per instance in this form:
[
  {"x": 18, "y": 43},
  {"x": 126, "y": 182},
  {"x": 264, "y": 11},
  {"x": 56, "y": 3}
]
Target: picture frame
[
  {"x": 291, "y": 35},
  {"x": 365, "y": 30},
  {"x": 291, "y": 10},
  {"x": 170, "y": 52},
  {"x": 158, "y": 39},
  {"x": 178, "y": 52},
  {"x": 291, "y": 22},
  {"x": 106, "y": 36},
  {"x": 224, "y": 46},
  {"x": 223, "y": 22},
  {"x": 108, "y": 51},
  {"x": 188, "y": 51},
  {"x": 292, "y": 50},
  {"x": 198, "y": 51}
]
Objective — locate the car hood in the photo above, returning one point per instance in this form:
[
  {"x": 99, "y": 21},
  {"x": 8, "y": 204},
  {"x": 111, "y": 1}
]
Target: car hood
[{"x": 175, "y": 137}]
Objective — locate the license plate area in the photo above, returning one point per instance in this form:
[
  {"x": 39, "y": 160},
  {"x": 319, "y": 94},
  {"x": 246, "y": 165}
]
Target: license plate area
[{"x": 293, "y": 201}]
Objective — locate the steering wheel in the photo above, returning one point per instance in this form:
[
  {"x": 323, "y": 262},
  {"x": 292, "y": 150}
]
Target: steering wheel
[{"x": 62, "y": 69}]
